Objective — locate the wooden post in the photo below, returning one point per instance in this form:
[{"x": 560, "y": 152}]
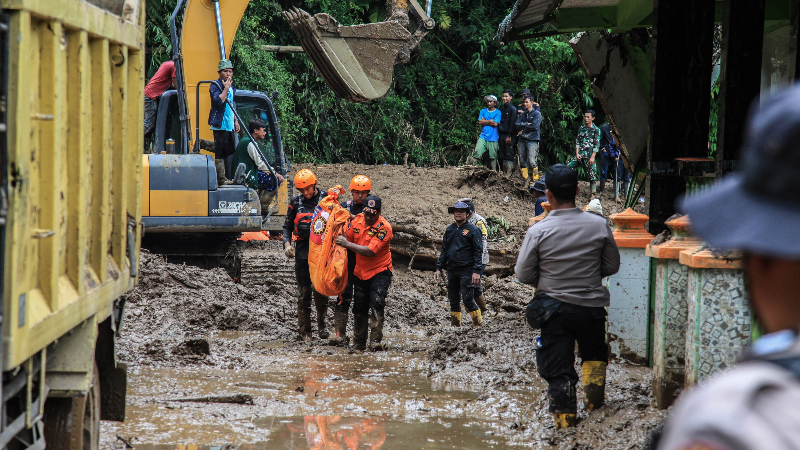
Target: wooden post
[
  {"x": 680, "y": 107},
  {"x": 742, "y": 44}
]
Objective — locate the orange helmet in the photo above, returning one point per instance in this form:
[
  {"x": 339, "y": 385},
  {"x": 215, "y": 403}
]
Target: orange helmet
[
  {"x": 360, "y": 183},
  {"x": 304, "y": 178}
]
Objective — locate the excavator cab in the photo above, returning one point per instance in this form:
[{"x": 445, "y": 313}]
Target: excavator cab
[{"x": 357, "y": 61}]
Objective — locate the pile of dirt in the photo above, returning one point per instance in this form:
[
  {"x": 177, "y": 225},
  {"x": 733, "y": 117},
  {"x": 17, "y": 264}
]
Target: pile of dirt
[
  {"x": 175, "y": 308},
  {"x": 415, "y": 201}
]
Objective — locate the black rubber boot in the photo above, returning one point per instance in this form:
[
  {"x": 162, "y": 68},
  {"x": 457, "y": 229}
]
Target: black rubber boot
[
  {"x": 360, "y": 330},
  {"x": 321, "y": 303},
  {"x": 340, "y": 323},
  {"x": 602, "y": 186},
  {"x": 303, "y": 313},
  {"x": 376, "y": 320}
]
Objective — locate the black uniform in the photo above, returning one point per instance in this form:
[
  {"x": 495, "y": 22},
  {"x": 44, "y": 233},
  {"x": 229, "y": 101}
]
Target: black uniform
[
  {"x": 506, "y": 129},
  {"x": 298, "y": 222},
  {"x": 462, "y": 250}
]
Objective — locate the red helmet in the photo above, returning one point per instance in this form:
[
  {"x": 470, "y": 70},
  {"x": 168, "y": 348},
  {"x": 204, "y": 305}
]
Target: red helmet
[
  {"x": 360, "y": 183},
  {"x": 304, "y": 178}
]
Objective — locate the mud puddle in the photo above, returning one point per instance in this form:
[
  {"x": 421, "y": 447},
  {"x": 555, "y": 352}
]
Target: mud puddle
[{"x": 314, "y": 396}]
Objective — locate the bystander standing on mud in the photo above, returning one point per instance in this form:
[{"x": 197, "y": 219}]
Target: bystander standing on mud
[
  {"x": 461, "y": 254},
  {"x": 507, "y": 152},
  {"x": 360, "y": 187},
  {"x": 587, "y": 144},
  {"x": 489, "y": 120},
  {"x": 755, "y": 404},
  {"x": 528, "y": 135},
  {"x": 478, "y": 220},
  {"x": 369, "y": 236},
  {"x": 298, "y": 223},
  {"x": 566, "y": 256}
]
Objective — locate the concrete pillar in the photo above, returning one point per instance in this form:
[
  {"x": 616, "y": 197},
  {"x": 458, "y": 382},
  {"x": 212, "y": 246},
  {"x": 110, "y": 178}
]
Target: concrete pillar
[
  {"x": 670, "y": 310},
  {"x": 719, "y": 321},
  {"x": 628, "y": 315}
]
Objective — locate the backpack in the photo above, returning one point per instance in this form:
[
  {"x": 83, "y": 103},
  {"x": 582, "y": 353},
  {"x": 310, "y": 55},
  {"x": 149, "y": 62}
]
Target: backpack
[{"x": 327, "y": 261}]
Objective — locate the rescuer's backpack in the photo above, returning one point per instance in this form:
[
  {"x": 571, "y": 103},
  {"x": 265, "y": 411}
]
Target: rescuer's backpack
[{"x": 327, "y": 261}]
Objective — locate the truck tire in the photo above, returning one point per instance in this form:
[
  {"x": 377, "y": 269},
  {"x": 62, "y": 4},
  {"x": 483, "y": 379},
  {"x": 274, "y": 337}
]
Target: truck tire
[{"x": 74, "y": 423}]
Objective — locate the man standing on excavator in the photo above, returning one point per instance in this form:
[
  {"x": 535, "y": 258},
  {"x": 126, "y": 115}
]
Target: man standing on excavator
[
  {"x": 221, "y": 118},
  {"x": 298, "y": 222},
  {"x": 359, "y": 189},
  {"x": 368, "y": 236}
]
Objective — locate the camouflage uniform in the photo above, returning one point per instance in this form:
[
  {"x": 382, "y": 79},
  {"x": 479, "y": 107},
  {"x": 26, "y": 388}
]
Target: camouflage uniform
[{"x": 587, "y": 142}]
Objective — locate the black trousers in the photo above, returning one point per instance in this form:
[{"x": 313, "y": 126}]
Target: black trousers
[
  {"x": 506, "y": 152},
  {"x": 556, "y": 358},
  {"x": 371, "y": 293},
  {"x": 460, "y": 288},
  {"x": 343, "y": 304}
]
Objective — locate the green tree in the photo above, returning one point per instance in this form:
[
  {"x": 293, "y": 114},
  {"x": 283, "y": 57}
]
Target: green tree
[{"x": 430, "y": 112}]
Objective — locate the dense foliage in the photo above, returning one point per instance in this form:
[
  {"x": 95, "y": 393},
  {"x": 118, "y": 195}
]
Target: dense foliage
[{"x": 431, "y": 110}]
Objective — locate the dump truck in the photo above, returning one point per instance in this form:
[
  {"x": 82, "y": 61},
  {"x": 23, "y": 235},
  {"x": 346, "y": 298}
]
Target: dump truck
[
  {"x": 357, "y": 61},
  {"x": 71, "y": 87},
  {"x": 187, "y": 216}
]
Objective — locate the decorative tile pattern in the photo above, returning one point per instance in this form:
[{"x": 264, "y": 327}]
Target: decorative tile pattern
[
  {"x": 669, "y": 337},
  {"x": 719, "y": 322}
]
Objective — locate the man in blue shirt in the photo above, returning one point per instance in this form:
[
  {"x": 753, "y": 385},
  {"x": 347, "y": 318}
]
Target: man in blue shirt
[
  {"x": 489, "y": 118},
  {"x": 221, "y": 119}
]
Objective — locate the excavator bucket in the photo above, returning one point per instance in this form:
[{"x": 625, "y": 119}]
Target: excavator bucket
[{"x": 356, "y": 61}]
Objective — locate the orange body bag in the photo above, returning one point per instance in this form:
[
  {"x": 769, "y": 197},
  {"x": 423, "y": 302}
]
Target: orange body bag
[{"x": 327, "y": 261}]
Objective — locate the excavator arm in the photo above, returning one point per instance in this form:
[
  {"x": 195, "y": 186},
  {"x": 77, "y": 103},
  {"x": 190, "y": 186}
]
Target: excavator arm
[{"x": 357, "y": 61}]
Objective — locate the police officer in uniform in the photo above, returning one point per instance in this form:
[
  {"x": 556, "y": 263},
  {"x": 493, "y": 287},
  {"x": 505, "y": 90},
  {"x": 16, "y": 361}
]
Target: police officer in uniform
[
  {"x": 360, "y": 186},
  {"x": 298, "y": 223},
  {"x": 755, "y": 405}
]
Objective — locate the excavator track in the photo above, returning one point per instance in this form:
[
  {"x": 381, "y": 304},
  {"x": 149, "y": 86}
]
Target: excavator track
[{"x": 204, "y": 250}]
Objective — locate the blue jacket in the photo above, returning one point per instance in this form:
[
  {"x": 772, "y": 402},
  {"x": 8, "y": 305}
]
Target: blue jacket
[
  {"x": 217, "y": 105},
  {"x": 529, "y": 122}
]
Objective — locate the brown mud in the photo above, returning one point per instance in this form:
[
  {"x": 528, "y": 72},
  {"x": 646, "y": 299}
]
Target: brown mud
[{"x": 214, "y": 363}]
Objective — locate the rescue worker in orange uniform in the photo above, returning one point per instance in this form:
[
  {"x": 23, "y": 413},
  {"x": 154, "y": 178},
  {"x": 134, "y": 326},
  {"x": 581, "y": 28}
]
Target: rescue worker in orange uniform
[
  {"x": 359, "y": 189},
  {"x": 298, "y": 222},
  {"x": 368, "y": 236}
]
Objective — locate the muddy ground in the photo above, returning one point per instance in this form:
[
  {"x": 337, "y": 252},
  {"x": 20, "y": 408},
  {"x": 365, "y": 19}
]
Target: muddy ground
[{"x": 214, "y": 363}]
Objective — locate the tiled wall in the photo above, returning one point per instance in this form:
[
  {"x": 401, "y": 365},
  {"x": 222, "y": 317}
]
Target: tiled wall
[
  {"x": 669, "y": 342},
  {"x": 719, "y": 321},
  {"x": 628, "y": 314}
]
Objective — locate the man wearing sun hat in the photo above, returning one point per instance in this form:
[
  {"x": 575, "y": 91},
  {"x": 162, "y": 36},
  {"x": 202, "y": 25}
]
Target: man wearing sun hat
[{"x": 755, "y": 404}]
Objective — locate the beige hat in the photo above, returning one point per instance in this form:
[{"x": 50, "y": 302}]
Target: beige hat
[{"x": 594, "y": 206}]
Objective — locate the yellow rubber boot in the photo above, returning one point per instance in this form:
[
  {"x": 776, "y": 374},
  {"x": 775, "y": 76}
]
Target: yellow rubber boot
[
  {"x": 455, "y": 319},
  {"x": 594, "y": 384},
  {"x": 477, "y": 319},
  {"x": 534, "y": 174},
  {"x": 565, "y": 420}
]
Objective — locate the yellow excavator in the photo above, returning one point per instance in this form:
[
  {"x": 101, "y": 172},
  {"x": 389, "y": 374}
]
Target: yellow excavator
[
  {"x": 187, "y": 216},
  {"x": 357, "y": 61}
]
